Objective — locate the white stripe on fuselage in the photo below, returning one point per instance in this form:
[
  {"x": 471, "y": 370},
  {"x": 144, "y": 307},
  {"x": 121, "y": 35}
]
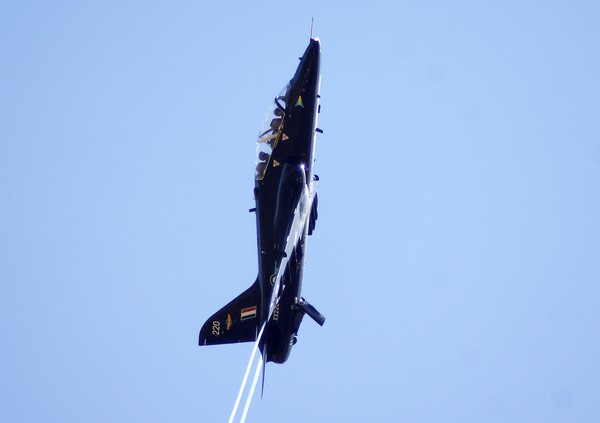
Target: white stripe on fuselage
[{"x": 298, "y": 228}]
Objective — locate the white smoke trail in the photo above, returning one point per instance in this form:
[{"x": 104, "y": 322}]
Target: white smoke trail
[
  {"x": 245, "y": 379},
  {"x": 252, "y": 388}
]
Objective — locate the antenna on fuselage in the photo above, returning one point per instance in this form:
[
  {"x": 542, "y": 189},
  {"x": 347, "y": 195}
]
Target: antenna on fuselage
[{"x": 312, "y": 22}]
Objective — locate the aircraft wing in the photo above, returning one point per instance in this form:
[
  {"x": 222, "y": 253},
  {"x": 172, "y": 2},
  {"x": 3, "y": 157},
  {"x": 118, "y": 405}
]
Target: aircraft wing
[{"x": 236, "y": 322}]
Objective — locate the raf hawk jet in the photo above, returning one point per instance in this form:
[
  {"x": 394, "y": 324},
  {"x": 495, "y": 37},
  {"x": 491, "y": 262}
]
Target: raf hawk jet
[{"x": 271, "y": 310}]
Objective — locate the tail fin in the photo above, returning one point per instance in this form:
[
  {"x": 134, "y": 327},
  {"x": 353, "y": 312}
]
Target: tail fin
[{"x": 236, "y": 322}]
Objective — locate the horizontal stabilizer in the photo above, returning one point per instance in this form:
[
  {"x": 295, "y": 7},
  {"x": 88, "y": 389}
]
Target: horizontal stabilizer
[
  {"x": 312, "y": 312},
  {"x": 236, "y": 322}
]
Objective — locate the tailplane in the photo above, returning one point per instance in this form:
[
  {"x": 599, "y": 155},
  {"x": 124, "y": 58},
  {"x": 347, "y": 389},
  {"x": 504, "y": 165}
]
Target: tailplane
[
  {"x": 236, "y": 322},
  {"x": 312, "y": 312}
]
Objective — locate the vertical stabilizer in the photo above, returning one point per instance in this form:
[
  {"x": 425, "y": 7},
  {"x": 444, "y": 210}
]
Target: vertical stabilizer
[{"x": 236, "y": 322}]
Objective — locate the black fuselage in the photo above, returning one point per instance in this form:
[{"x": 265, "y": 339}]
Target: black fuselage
[
  {"x": 288, "y": 174},
  {"x": 271, "y": 309}
]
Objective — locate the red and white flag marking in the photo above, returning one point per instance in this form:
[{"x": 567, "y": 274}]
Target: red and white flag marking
[{"x": 248, "y": 313}]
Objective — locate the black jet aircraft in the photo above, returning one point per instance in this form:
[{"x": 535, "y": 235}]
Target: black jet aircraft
[{"x": 286, "y": 212}]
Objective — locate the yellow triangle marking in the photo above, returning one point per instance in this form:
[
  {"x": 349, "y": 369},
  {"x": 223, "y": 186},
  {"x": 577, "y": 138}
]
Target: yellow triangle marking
[
  {"x": 275, "y": 163},
  {"x": 299, "y": 102},
  {"x": 285, "y": 137}
]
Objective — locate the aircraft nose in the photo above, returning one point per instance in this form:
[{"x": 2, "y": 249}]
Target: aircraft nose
[
  {"x": 309, "y": 62},
  {"x": 314, "y": 48},
  {"x": 312, "y": 55}
]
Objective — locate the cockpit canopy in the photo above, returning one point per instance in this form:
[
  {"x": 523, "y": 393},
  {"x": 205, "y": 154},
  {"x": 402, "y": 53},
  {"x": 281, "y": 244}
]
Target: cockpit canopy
[{"x": 270, "y": 133}]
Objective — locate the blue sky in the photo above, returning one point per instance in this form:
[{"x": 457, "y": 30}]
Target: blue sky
[{"x": 457, "y": 253}]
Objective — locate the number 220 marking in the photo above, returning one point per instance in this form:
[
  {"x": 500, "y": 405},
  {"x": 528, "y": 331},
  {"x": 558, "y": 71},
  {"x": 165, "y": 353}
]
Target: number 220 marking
[{"x": 216, "y": 328}]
